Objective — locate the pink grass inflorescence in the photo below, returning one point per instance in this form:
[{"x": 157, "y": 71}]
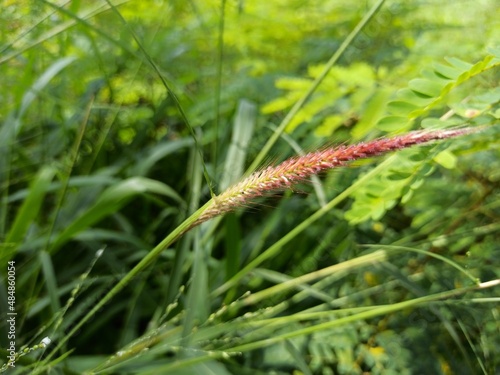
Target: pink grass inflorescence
[{"x": 299, "y": 168}]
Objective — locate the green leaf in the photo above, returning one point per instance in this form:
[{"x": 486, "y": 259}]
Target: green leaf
[
  {"x": 432, "y": 123},
  {"x": 446, "y": 71},
  {"x": 28, "y": 211},
  {"x": 293, "y": 84},
  {"x": 297, "y": 357},
  {"x": 110, "y": 201},
  {"x": 458, "y": 64},
  {"x": 233, "y": 244},
  {"x": 372, "y": 114},
  {"x": 401, "y": 108},
  {"x": 277, "y": 105},
  {"x": 244, "y": 123},
  {"x": 495, "y": 51},
  {"x": 426, "y": 87},
  {"x": 463, "y": 77},
  {"x": 155, "y": 154},
  {"x": 481, "y": 65},
  {"x": 197, "y": 302},
  {"x": 393, "y": 123},
  {"x": 50, "y": 281},
  {"x": 397, "y": 176},
  {"x": 43, "y": 81},
  {"x": 446, "y": 159},
  {"x": 426, "y": 93},
  {"x": 411, "y": 97}
]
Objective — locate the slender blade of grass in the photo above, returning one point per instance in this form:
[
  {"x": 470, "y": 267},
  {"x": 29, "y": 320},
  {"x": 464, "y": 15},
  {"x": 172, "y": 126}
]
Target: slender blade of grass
[
  {"x": 109, "y": 202},
  {"x": 169, "y": 91},
  {"x": 28, "y": 212},
  {"x": 300, "y": 103}
]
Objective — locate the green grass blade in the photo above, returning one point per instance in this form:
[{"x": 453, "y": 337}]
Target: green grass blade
[
  {"x": 110, "y": 201},
  {"x": 371, "y": 313},
  {"x": 244, "y": 123},
  {"x": 169, "y": 91},
  {"x": 198, "y": 304},
  {"x": 298, "y": 358},
  {"x": 147, "y": 260},
  {"x": 42, "y": 82},
  {"x": 27, "y": 213},
  {"x": 301, "y": 281},
  {"x": 182, "y": 253},
  {"x": 50, "y": 281},
  {"x": 233, "y": 245},
  {"x": 453, "y": 264},
  {"x": 218, "y": 89},
  {"x": 300, "y": 103},
  {"x": 89, "y": 13},
  {"x": 157, "y": 153}
]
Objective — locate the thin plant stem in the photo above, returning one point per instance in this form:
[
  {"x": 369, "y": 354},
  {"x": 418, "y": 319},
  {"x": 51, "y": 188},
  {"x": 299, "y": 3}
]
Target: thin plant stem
[
  {"x": 170, "y": 92},
  {"x": 377, "y": 311},
  {"x": 300, "y": 103},
  {"x": 220, "y": 56},
  {"x": 147, "y": 260}
]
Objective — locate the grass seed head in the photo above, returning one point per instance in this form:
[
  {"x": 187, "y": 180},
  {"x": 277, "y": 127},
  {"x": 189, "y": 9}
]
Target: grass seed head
[{"x": 299, "y": 168}]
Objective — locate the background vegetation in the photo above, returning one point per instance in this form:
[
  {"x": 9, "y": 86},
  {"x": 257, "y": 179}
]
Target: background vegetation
[{"x": 120, "y": 118}]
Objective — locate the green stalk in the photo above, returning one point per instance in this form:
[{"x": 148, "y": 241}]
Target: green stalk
[
  {"x": 300, "y": 103},
  {"x": 372, "y": 258},
  {"x": 170, "y": 92},
  {"x": 361, "y": 313},
  {"x": 381, "y": 310},
  {"x": 148, "y": 259}
]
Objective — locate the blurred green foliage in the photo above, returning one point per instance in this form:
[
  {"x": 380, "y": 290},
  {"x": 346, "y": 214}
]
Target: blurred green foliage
[{"x": 95, "y": 154}]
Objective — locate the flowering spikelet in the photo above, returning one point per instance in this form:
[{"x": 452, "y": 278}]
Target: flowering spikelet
[{"x": 298, "y": 168}]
